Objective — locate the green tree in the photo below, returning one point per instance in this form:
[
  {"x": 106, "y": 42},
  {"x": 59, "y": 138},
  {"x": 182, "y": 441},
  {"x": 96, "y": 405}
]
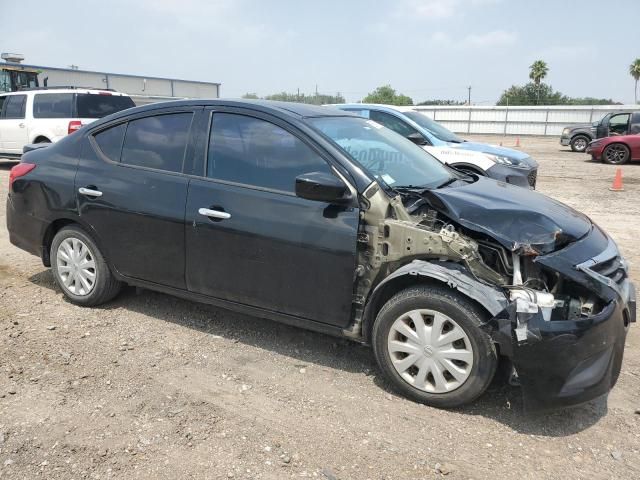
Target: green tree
[
  {"x": 532, "y": 94},
  {"x": 634, "y": 71},
  {"x": 443, "y": 102},
  {"x": 543, "y": 94},
  {"x": 315, "y": 99},
  {"x": 387, "y": 96},
  {"x": 537, "y": 71}
]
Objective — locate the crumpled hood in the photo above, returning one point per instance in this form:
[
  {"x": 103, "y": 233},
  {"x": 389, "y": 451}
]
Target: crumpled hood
[
  {"x": 521, "y": 220},
  {"x": 496, "y": 150}
]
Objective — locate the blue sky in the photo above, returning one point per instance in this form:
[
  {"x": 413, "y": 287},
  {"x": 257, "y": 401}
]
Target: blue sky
[{"x": 423, "y": 48}]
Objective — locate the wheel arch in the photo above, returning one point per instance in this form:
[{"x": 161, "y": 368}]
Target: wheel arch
[
  {"x": 41, "y": 139},
  {"x": 419, "y": 272},
  {"x": 581, "y": 134},
  {"x": 58, "y": 224}
]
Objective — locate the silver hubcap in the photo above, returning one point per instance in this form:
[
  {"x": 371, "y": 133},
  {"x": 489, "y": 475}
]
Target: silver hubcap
[
  {"x": 616, "y": 153},
  {"x": 76, "y": 266},
  {"x": 580, "y": 144},
  {"x": 430, "y": 351}
]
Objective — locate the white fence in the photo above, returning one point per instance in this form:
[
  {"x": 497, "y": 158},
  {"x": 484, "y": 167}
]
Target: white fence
[{"x": 539, "y": 120}]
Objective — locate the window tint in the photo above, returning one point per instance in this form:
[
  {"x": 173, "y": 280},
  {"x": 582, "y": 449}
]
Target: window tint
[
  {"x": 92, "y": 105},
  {"x": 157, "y": 142},
  {"x": 53, "y": 105},
  {"x": 392, "y": 123},
  {"x": 2, "y": 99},
  {"x": 15, "y": 106},
  {"x": 110, "y": 141},
  {"x": 255, "y": 152}
]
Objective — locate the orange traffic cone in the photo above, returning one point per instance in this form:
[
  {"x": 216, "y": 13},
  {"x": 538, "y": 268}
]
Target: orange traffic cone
[
  {"x": 617, "y": 182},
  {"x": 517, "y": 141}
]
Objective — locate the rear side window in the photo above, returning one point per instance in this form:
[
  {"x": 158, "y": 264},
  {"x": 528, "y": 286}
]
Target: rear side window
[
  {"x": 110, "y": 141},
  {"x": 14, "y": 107},
  {"x": 92, "y": 105},
  {"x": 2, "y": 99},
  {"x": 53, "y": 105},
  {"x": 157, "y": 142},
  {"x": 255, "y": 152}
]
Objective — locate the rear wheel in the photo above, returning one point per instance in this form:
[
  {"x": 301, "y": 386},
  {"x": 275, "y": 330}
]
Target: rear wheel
[
  {"x": 616, "y": 154},
  {"x": 579, "y": 143},
  {"x": 427, "y": 341},
  {"x": 80, "y": 269}
]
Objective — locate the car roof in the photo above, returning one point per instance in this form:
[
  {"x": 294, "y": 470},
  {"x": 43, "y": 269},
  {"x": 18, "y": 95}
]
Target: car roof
[
  {"x": 45, "y": 90},
  {"x": 299, "y": 110}
]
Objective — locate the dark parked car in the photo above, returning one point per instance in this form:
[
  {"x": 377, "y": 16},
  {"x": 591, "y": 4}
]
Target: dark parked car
[
  {"x": 325, "y": 220},
  {"x": 576, "y": 136}
]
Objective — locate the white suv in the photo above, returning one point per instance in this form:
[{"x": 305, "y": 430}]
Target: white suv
[{"x": 48, "y": 114}]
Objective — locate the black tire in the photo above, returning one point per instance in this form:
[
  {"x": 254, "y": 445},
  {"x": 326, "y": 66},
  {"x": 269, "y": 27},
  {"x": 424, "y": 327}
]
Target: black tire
[
  {"x": 43, "y": 140},
  {"x": 616, "y": 154},
  {"x": 105, "y": 286},
  {"x": 579, "y": 143},
  {"x": 462, "y": 311}
]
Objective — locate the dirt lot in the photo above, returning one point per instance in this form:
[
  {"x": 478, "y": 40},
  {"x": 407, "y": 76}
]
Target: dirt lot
[{"x": 151, "y": 386}]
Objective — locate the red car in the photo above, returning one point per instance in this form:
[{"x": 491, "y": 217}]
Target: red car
[{"x": 616, "y": 150}]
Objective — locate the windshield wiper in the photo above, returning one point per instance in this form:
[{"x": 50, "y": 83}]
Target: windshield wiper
[{"x": 447, "y": 182}]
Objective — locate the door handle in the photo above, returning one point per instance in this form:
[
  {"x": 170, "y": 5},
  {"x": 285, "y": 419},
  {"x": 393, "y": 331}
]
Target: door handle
[
  {"x": 90, "y": 192},
  {"x": 21, "y": 125},
  {"x": 214, "y": 213}
]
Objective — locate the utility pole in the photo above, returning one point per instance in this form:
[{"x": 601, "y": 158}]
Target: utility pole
[{"x": 469, "y": 88}]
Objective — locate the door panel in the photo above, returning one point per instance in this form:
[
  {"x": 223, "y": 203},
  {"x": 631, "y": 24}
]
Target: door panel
[
  {"x": 276, "y": 251},
  {"x": 139, "y": 217}
]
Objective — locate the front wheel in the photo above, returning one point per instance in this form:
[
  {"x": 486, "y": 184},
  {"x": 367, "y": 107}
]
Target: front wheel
[
  {"x": 579, "y": 143},
  {"x": 427, "y": 341},
  {"x": 79, "y": 268}
]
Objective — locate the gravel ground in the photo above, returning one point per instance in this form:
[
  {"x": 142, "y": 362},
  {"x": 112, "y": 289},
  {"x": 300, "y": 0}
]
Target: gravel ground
[{"x": 150, "y": 386}]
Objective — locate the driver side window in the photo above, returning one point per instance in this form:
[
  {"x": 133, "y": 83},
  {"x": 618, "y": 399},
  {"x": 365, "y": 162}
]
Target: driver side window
[
  {"x": 254, "y": 152},
  {"x": 618, "y": 124},
  {"x": 392, "y": 123}
]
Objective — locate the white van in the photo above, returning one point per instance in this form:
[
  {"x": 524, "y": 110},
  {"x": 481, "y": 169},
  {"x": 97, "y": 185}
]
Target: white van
[{"x": 45, "y": 115}]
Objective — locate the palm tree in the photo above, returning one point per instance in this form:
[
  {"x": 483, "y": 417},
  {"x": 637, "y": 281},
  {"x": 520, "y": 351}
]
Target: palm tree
[
  {"x": 537, "y": 71},
  {"x": 634, "y": 70}
]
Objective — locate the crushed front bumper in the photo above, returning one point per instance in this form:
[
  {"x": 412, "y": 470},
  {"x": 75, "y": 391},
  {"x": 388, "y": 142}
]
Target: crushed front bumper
[{"x": 567, "y": 362}]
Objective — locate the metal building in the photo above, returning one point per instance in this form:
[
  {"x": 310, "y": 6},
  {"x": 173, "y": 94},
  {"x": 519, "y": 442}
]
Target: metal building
[{"x": 142, "y": 89}]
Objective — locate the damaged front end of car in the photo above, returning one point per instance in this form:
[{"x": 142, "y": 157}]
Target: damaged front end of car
[{"x": 554, "y": 285}]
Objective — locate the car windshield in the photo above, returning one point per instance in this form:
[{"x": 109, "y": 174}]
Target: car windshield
[
  {"x": 91, "y": 105},
  {"x": 387, "y": 155},
  {"x": 434, "y": 127}
]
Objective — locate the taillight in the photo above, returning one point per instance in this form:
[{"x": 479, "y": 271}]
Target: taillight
[
  {"x": 20, "y": 170},
  {"x": 73, "y": 126}
]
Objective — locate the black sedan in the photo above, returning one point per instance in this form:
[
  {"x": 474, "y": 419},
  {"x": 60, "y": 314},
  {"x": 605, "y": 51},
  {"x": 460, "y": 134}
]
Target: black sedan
[{"x": 318, "y": 218}]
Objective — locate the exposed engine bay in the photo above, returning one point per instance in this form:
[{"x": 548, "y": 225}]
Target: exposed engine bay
[{"x": 398, "y": 230}]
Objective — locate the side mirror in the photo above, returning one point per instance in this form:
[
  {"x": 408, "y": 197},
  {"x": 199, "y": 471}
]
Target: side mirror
[
  {"x": 322, "y": 187},
  {"x": 417, "y": 138}
]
